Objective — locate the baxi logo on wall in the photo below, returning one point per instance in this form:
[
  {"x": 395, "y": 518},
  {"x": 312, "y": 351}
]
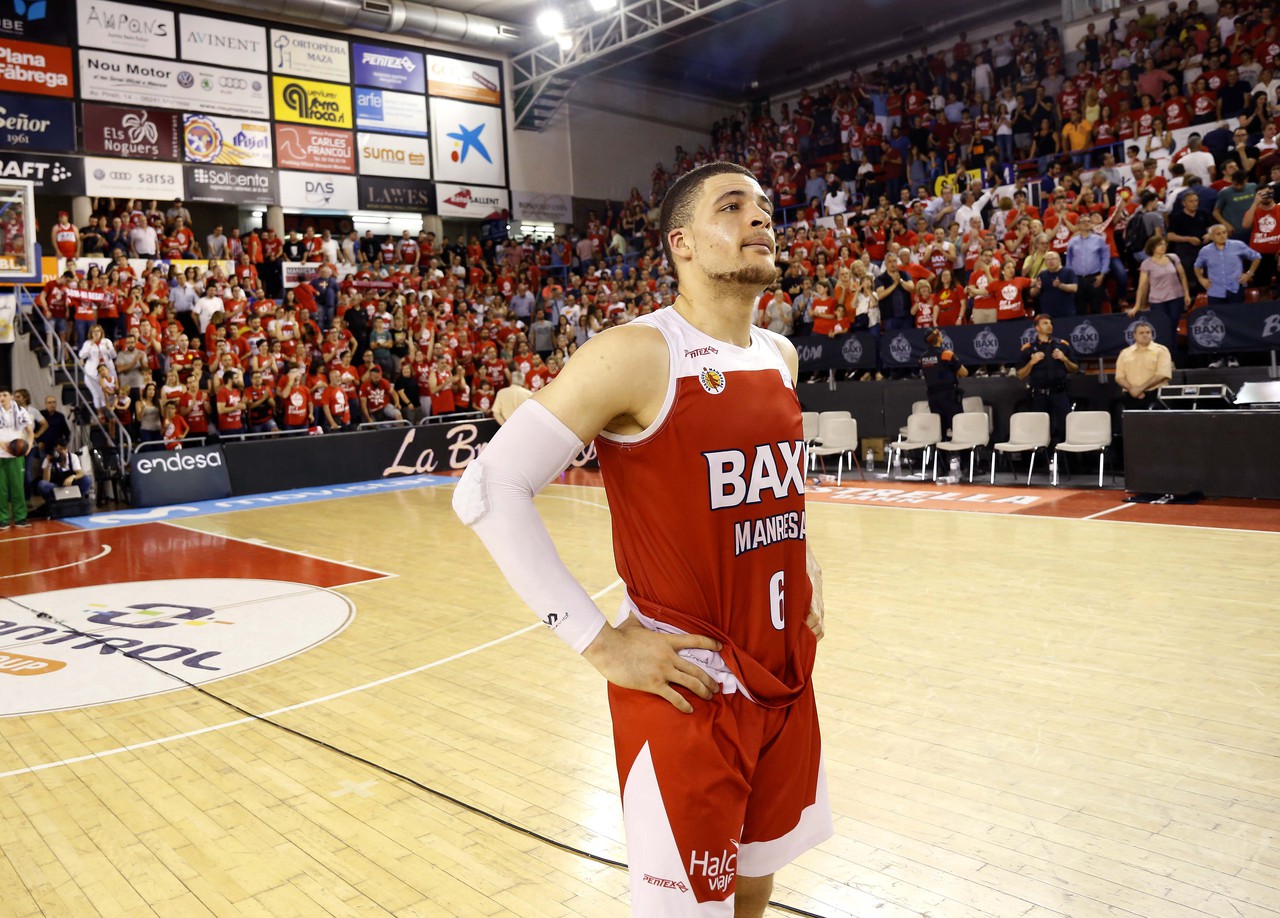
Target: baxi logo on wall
[
  {"x": 116, "y": 629},
  {"x": 389, "y": 68},
  {"x": 126, "y": 27},
  {"x": 309, "y": 102},
  {"x": 468, "y": 143}
]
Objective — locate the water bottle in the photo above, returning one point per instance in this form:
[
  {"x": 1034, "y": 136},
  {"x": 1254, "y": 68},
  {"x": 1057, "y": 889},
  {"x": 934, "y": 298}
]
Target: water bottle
[
  {"x": 870, "y": 460},
  {"x": 955, "y": 470},
  {"x": 897, "y": 461}
]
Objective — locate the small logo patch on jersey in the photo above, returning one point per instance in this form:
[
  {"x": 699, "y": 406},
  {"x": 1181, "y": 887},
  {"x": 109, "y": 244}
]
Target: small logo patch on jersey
[{"x": 712, "y": 380}]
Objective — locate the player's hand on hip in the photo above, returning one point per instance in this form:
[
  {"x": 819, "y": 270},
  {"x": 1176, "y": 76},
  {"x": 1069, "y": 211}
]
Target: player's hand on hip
[{"x": 631, "y": 656}]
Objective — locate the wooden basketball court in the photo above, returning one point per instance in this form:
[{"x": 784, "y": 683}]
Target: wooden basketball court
[{"x": 1024, "y": 715}]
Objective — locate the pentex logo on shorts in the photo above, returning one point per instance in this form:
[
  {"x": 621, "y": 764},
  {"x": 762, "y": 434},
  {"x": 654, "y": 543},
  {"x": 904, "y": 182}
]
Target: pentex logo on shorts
[
  {"x": 122, "y": 638},
  {"x": 666, "y": 884}
]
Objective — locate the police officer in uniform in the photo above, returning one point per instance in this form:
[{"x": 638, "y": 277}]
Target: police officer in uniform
[
  {"x": 942, "y": 371},
  {"x": 1045, "y": 363}
]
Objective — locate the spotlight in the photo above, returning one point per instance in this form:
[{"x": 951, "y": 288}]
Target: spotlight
[
  {"x": 565, "y": 41},
  {"x": 550, "y": 22},
  {"x": 603, "y": 6}
]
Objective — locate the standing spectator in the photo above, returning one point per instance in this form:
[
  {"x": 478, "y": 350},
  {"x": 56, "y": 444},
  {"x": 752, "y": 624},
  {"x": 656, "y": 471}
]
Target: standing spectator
[
  {"x": 1045, "y": 364},
  {"x": 1142, "y": 368},
  {"x": 1220, "y": 266},
  {"x": 96, "y": 352},
  {"x": 230, "y": 405},
  {"x": 893, "y": 293},
  {"x": 1234, "y": 202},
  {"x": 541, "y": 336},
  {"x": 216, "y": 244},
  {"x": 1089, "y": 257},
  {"x": 15, "y": 424},
  {"x": 1162, "y": 283}
]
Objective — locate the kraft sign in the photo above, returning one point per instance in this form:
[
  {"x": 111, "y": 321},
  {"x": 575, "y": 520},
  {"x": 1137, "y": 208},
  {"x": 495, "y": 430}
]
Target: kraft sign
[{"x": 198, "y": 630}]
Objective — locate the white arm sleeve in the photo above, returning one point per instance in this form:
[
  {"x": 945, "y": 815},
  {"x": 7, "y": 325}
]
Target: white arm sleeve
[{"x": 495, "y": 498}]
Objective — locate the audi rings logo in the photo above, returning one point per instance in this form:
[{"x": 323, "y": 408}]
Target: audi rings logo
[
  {"x": 986, "y": 344},
  {"x": 1208, "y": 330},
  {"x": 226, "y": 82},
  {"x": 900, "y": 349},
  {"x": 851, "y": 350},
  {"x": 1085, "y": 338},
  {"x": 185, "y": 79}
]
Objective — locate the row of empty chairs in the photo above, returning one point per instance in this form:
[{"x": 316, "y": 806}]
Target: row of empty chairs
[{"x": 835, "y": 433}]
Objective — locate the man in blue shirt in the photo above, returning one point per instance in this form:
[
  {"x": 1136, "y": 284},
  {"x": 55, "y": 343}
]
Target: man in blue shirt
[
  {"x": 1220, "y": 266},
  {"x": 1089, "y": 257}
]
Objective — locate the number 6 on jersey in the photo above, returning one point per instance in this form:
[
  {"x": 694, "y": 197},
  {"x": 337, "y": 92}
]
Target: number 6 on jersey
[{"x": 776, "y": 592}]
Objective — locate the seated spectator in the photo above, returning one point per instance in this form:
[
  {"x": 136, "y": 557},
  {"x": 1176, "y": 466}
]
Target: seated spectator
[{"x": 62, "y": 469}]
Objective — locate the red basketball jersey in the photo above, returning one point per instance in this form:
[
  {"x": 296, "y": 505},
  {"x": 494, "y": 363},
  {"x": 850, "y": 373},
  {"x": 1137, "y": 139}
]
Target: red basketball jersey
[{"x": 708, "y": 508}]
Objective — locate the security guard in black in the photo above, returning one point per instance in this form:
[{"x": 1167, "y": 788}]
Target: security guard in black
[
  {"x": 942, "y": 372},
  {"x": 1045, "y": 363}
]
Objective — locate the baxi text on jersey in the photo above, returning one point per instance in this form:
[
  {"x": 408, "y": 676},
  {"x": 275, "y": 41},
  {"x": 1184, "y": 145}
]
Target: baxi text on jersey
[
  {"x": 748, "y": 535},
  {"x": 776, "y": 468}
]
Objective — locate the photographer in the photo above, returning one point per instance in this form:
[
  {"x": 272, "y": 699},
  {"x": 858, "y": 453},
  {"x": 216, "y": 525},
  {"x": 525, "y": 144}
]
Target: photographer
[
  {"x": 61, "y": 470},
  {"x": 1262, "y": 220}
]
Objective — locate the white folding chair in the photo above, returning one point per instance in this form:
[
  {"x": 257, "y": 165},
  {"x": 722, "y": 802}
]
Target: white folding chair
[
  {"x": 975, "y": 403},
  {"x": 924, "y": 431},
  {"x": 809, "y": 421},
  {"x": 839, "y": 437},
  {"x": 1087, "y": 432},
  {"x": 968, "y": 432},
  {"x": 832, "y": 415},
  {"x": 921, "y": 407},
  {"x": 1028, "y": 432}
]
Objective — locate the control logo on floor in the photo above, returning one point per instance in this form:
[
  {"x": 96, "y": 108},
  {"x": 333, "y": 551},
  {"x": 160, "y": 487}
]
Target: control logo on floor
[{"x": 96, "y": 647}]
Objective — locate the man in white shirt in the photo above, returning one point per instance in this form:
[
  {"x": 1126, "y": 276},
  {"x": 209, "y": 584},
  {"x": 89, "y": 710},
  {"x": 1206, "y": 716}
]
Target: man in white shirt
[
  {"x": 143, "y": 241},
  {"x": 971, "y": 208},
  {"x": 836, "y": 201},
  {"x": 329, "y": 247},
  {"x": 1198, "y": 161},
  {"x": 206, "y": 306}
]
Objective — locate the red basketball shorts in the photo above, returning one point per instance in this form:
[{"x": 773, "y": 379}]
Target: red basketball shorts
[{"x": 733, "y": 788}]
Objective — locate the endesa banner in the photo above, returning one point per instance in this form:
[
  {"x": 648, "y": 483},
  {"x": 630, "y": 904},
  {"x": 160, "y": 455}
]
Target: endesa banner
[
  {"x": 126, "y": 27},
  {"x": 309, "y": 102},
  {"x": 226, "y": 141},
  {"x": 35, "y": 123},
  {"x": 315, "y": 149},
  {"x": 131, "y": 133},
  {"x": 179, "y": 476},
  {"x": 315, "y": 56},
  {"x": 472, "y": 202},
  {"x": 121, "y": 178},
  {"x": 466, "y": 81},
  {"x": 389, "y": 68},
  {"x": 127, "y": 80},
  {"x": 43, "y": 70}
]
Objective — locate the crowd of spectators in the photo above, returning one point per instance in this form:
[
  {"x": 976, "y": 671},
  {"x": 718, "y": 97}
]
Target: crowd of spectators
[{"x": 885, "y": 186}]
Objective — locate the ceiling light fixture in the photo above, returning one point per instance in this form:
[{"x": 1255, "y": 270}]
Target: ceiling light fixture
[
  {"x": 603, "y": 6},
  {"x": 565, "y": 41},
  {"x": 550, "y": 22}
]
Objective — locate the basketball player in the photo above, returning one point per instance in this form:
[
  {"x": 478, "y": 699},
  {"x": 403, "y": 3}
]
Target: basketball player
[{"x": 697, "y": 426}]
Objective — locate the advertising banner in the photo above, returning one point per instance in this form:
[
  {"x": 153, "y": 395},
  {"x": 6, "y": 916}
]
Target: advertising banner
[
  {"x": 397, "y": 194},
  {"x": 20, "y": 260},
  {"x": 226, "y": 141},
  {"x": 227, "y": 185},
  {"x": 122, "y": 178},
  {"x": 315, "y": 149},
  {"x": 309, "y": 192},
  {"x": 49, "y": 21},
  {"x": 472, "y": 203},
  {"x": 126, "y": 27},
  {"x": 391, "y": 112},
  {"x": 309, "y": 102},
  {"x": 178, "y": 476},
  {"x": 62, "y": 175},
  {"x": 854, "y": 351},
  {"x": 35, "y": 123},
  {"x": 389, "y": 68},
  {"x": 224, "y": 42},
  {"x": 43, "y": 70},
  {"x": 468, "y": 143},
  {"x": 1234, "y": 327},
  {"x": 120, "y": 78},
  {"x": 389, "y": 154},
  {"x": 536, "y": 207},
  {"x": 132, "y": 133},
  {"x": 466, "y": 81},
  {"x": 314, "y": 56}
]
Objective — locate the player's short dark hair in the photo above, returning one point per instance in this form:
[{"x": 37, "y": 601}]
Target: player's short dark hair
[
  {"x": 682, "y": 197},
  {"x": 1039, "y": 316}
]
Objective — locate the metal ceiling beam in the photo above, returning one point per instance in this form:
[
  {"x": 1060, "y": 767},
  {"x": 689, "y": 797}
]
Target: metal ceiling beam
[{"x": 543, "y": 76}]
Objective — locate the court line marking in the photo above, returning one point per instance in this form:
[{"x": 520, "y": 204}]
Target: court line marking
[
  {"x": 31, "y": 769},
  {"x": 264, "y": 544},
  {"x": 106, "y": 550},
  {"x": 1094, "y": 516},
  {"x": 45, "y": 535}
]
